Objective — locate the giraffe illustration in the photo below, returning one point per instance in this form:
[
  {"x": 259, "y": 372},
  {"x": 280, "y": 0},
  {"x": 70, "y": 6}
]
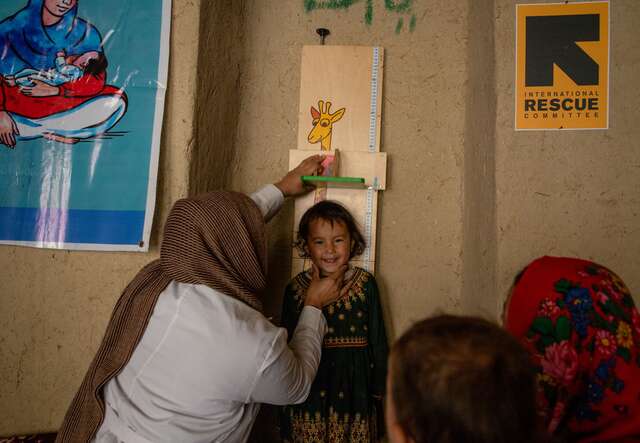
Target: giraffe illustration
[{"x": 323, "y": 121}]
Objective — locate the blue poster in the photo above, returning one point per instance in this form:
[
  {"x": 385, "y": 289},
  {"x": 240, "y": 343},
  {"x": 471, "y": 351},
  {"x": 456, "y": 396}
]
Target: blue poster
[{"x": 82, "y": 87}]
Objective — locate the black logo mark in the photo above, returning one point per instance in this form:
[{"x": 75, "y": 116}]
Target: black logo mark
[{"x": 552, "y": 39}]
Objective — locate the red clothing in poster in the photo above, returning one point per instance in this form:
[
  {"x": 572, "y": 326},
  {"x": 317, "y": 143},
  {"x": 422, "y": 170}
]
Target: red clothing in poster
[{"x": 71, "y": 95}]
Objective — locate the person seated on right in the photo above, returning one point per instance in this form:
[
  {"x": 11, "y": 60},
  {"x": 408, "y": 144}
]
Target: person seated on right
[
  {"x": 458, "y": 379},
  {"x": 580, "y": 325}
]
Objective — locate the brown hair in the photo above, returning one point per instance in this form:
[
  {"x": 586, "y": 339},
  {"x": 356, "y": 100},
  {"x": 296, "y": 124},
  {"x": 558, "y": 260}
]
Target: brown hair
[
  {"x": 463, "y": 379},
  {"x": 332, "y": 212}
]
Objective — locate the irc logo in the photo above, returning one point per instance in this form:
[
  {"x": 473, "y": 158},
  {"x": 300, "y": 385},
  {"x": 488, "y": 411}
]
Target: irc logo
[
  {"x": 562, "y": 66},
  {"x": 552, "y": 40}
]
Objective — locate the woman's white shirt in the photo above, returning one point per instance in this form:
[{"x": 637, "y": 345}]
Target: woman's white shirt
[{"x": 205, "y": 363}]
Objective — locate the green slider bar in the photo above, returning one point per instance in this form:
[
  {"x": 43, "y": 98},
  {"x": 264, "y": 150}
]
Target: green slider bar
[{"x": 334, "y": 181}]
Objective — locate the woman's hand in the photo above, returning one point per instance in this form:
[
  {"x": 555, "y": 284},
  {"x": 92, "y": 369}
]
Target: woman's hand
[
  {"x": 291, "y": 184},
  {"x": 324, "y": 291},
  {"x": 8, "y": 130},
  {"x": 39, "y": 89}
]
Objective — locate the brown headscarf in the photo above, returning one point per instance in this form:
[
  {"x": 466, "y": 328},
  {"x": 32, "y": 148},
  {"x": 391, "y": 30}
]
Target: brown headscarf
[{"x": 217, "y": 239}]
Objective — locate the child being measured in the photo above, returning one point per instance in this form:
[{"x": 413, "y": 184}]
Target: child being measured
[{"x": 345, "y": 402}]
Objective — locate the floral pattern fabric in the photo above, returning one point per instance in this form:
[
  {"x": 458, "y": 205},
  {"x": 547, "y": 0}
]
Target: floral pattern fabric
[{"x": 579, "y": 322}]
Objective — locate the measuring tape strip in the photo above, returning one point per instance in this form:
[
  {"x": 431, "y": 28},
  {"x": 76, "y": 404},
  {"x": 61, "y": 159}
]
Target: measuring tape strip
[
  {"x": 373, "y": 105},
  {"x": 373, "y": 124}
]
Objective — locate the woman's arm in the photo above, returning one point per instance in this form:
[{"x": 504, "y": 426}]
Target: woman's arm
[
  {"x": 39, "y": 89},
  {"x": 8, "y": 128},
  {"x": 288, "y": 371},
  {"x": 270, "y": 197}
]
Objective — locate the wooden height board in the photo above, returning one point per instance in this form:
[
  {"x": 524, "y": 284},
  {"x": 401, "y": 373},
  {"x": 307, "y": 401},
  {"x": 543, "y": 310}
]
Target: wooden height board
[{"x": 350, "y": 78}]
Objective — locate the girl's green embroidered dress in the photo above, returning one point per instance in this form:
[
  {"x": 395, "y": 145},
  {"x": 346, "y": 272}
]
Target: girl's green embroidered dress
[{"x": 345, "y": 403}]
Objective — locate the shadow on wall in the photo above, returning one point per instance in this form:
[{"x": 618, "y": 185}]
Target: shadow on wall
[{"x": 217, "y": 99}]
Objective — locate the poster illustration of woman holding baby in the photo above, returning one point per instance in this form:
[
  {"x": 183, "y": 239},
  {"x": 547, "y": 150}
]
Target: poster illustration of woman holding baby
[
  {"x": 53, "y": 76},
  {"x": 82, "y": 92}
]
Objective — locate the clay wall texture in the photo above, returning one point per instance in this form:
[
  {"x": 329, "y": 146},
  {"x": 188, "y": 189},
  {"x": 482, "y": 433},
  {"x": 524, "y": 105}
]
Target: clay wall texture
[
  {"x": 570, "y": 193},
  {"x": 469, "y": 201}
]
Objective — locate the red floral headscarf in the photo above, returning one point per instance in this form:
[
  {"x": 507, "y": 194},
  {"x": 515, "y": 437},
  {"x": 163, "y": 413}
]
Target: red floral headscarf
[{"x": 579, "y": 323}]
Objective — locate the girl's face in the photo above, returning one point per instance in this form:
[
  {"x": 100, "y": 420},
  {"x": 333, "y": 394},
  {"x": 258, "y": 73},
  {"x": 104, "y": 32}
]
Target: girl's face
[{"x": 328, "y": 244}]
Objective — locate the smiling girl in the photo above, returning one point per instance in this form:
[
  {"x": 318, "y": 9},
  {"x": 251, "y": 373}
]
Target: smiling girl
[{"x": 345, "y": 402}]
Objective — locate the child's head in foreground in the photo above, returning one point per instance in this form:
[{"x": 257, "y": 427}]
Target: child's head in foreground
[
  {"x": 460, "y": 379},
  {"x": 329, "y": 236}
]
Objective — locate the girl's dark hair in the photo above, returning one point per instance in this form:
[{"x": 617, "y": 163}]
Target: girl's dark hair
[
  {"x": 332, "y": 212},
  {"x": 463, "y": 379},
  {"x": 97, "y": 66}
]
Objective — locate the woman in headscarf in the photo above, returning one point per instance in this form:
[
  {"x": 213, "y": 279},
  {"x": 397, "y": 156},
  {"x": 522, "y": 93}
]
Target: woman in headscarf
[
  {"x": 31, "y": 38},
  {"x": 187, "y": 355},
  {"x": 579, "y": 323}
]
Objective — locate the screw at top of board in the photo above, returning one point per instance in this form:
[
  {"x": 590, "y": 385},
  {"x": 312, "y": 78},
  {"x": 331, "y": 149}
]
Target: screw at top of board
[{"x": 322, "y": 32}]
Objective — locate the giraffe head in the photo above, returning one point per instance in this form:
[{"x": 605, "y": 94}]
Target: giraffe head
[{"x": 323, "y": 121}]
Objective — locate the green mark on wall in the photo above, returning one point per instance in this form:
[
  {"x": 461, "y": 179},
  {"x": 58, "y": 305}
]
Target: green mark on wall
[
  {"x": 397, "y": 6},
  {"x": 401, "y": 6},
  {"x": 310, "y": 5},
  {"x": 399, "y": 25},
  {"x": 368, "y": 14}
]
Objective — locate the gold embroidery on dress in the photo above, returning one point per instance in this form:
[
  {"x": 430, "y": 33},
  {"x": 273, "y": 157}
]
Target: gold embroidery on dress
[
  {"x": 356, "y": 291},
  {"x": 345, "y": 342},
  {"x": 337, "y": 429}
]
